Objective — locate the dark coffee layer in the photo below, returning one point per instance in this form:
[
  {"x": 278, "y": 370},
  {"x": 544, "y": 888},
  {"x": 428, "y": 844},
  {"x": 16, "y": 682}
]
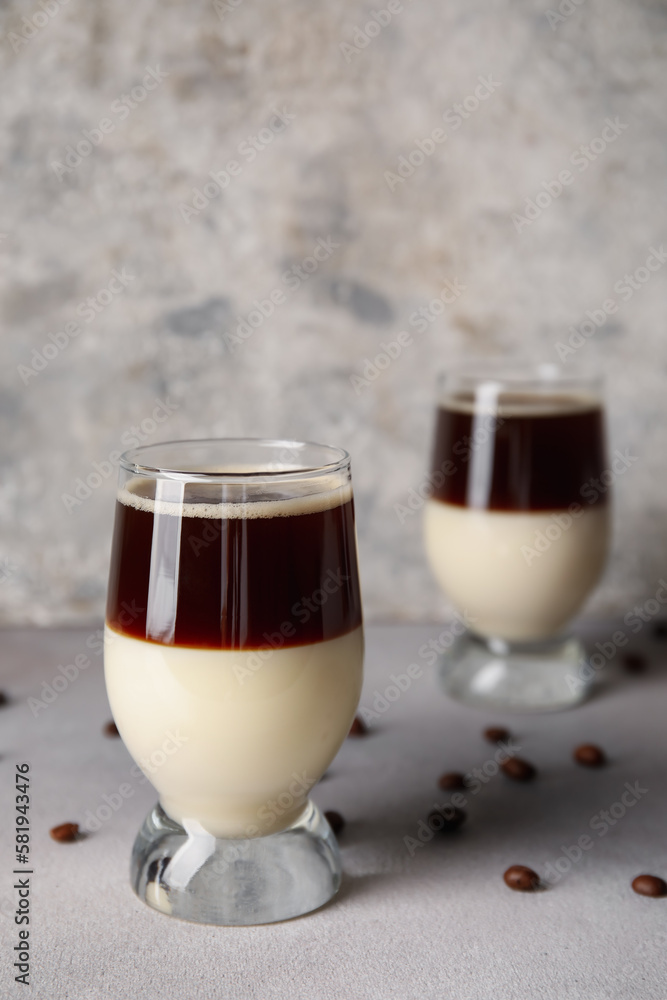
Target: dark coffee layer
[
  {"x": 533, "y": 454},
  {"x": 234, "y": 582}
]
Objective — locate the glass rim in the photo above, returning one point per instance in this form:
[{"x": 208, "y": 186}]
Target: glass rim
[
  {"x": 130, "y": 461},
  {"x": 508, "y": 372}
]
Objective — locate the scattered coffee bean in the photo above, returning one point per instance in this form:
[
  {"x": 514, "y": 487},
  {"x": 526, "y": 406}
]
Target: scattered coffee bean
[
  {"x": 451, "y": 780},
  {"x": 335, "y": 821},
  {"x": 447, "y": 819},
  {"x": 111, "y": 729},
  {"x": 650, "y": 885},
  {"x": 660, "y": 630},
  {"x": 358, "y": 727},
  {"x": 65, "y": 833},
  {"x": 4, "y": 700},
  {"x": 496, "y": 734},
  {"x": 518, "y": 770},
  {"x": 588, "y": 755},
  {"x": 522, "y": 879},
  {"x": 634, "y": 663}
]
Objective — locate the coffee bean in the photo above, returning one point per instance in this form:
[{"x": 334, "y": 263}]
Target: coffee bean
[
  {"x": 4, "y": 700},
  {"x": 358, "y": 727},
  {"x": 650, "y": 885},
  {"x": 634, "y": 663},
  {"x": 497, "y": 734},
  {"x": 522, "y": 879},
  {"x": 111, "y": 729},
  {"x": 518, "y": 770},
  {"x": 451, "y": 780},
  {"x": 660, "y": 630},
  {"x": 588, "y": 755},
  {"x": 446, "y": 819},
  {"x": 66, "y": 833},
  {"x": 335, "y": 821}
]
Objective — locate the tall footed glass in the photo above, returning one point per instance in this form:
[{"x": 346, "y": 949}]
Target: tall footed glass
[
  {"x": 233, "y": 663},
  {"x": 517, "y": 529}
]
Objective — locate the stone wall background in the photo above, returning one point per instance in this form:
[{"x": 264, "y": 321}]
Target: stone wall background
[{"x": 357, "y": 110}]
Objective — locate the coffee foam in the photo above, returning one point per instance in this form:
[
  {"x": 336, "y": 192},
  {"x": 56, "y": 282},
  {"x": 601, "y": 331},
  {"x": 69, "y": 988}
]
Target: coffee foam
[
  {"x": 510, "y": 404},
  {"x": 308, "y": 503}
]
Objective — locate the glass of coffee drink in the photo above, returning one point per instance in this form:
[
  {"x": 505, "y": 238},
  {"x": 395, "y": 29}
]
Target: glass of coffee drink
[
  {"x": 517, "y": 529},
  {"x": 233, "y": 663}
]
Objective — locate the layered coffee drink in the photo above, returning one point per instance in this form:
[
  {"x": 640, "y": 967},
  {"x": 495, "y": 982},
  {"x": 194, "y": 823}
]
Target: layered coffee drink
[
  {"x": 517, "y": 527},
  {"x": 234, "y": 633}
]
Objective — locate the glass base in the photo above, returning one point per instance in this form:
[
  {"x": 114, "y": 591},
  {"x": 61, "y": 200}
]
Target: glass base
[
  {"x": 519, "y": 677},
  {"x": 197, "y": 877}
]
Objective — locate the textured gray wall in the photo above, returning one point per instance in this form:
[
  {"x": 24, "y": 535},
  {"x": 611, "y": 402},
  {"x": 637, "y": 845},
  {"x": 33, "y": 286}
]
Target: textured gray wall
[{"x": 198, "y": 262}]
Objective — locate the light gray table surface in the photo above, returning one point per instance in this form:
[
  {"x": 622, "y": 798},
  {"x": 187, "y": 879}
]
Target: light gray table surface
[{"x": 439, "y": 922}]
